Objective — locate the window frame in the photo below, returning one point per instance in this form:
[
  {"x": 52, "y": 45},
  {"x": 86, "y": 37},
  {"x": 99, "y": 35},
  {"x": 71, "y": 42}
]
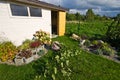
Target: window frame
[
  {"x": 28, "y": 10},
  {"x": 31, "y": 7},
  {"x": 24, "y": 7}
]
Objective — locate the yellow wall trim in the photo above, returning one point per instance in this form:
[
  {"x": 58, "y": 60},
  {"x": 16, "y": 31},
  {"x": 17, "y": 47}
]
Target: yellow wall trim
[{"x": 61, "y": 23}]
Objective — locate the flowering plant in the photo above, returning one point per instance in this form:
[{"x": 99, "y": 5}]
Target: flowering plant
[
  {"x": 42, "y": 36},
  {"x": 35, "y": 44},
  {"x": 7, "y": 51}
]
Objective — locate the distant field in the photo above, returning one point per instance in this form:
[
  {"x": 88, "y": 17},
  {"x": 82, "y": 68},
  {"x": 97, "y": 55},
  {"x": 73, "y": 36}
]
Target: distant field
[{"x": 95, "y": 29}]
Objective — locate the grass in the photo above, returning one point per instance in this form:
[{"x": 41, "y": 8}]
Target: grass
[
  {"x": 92, "y": 67},
  {"x": 8, "y": 72},
  {"x": 85, "y": 66},
  {"x": 88, "y": 66},
  {"x": 95, "y": 29}
]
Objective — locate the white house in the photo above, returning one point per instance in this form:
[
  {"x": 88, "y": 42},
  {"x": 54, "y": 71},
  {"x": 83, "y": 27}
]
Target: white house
[{"x": 20, "y": 19}]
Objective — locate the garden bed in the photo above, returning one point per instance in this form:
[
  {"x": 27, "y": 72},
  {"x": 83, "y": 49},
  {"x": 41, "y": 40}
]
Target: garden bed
[
  {"x": 98, "y": 47},
  {"x": 22, "y": 61},
  {"x": 27, "y": 52}
]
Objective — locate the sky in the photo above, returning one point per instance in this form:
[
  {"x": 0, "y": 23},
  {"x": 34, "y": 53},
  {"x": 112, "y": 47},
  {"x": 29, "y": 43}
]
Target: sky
[{"x": 101, "y": 7}]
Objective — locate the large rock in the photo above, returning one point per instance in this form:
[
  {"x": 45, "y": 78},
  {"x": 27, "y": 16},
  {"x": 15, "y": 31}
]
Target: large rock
[{"x": 75, "y": 37}]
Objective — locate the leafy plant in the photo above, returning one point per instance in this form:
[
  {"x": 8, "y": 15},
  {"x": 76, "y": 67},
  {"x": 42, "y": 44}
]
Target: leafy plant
[
  {"x": 113, "y": 33},
  {"x": 7, "y": 51},
  {"x": 25, "y": 45},
  {"x": 87, "y": 43},
  {"x": 95, "y": 42},
  {"x": 35, "y": 44},
  {"x": 107, "y": 50},
  {"x": 25, "y": 53},
  {"x": 99, "y": 51},
  {"x": 42, "y": 36},
  {"x": 60, "y": 64}
]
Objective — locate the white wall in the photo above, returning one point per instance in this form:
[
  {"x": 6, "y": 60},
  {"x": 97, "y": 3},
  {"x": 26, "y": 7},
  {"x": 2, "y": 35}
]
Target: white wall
[{"x": 17, "y": 29}]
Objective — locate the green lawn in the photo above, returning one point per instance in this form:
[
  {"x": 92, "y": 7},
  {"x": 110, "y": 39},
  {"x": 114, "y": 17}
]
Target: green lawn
[
  {"x": 88, "y": 66},
  {"x": 85, "y": 66},
  {"x": 96, "y": 29},
  {"x": 25, "y": 72}
]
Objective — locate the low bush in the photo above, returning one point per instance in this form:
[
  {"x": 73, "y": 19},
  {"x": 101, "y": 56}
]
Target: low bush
[
  {"x": 107, "y": 50},
  {"x": 35, "y": 44},
  {"x": 42, "y": 36},
  {"x": 113, "y": 33},
  {"x": 7, "y": 51},
  {"x": 87, "y": 43},
  {"x": 25, "y": 45}
]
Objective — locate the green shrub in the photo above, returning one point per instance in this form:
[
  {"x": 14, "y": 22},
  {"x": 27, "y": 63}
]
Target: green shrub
[
  {"x": 113, "y": 33},
  {"x": 95, "y": 42},
  {"x": 87, "y": 43},
  {"x": 25, "y": 45},
  {"x": 99, "y": 51},
  {"x": 107, "y": 50},
  {"x": 43, "y": 37}
]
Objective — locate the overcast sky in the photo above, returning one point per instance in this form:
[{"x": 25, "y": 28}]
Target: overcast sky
[{"x": 102, "y": 7}]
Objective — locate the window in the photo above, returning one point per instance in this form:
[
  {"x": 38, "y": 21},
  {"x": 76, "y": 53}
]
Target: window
[
  {"x": 18, "y": 10},
  {"x": 35, "y": 12},
  {"x": 21, "y": 10}
]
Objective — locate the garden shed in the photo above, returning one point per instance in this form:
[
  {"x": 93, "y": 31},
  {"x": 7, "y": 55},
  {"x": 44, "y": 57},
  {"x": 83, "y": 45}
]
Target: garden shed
[{"x": 20, "y": 19}]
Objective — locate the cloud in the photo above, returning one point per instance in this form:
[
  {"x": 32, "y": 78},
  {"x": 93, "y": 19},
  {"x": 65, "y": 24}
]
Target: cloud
[
  {"x": 102, "y": 7},
  {"x": 56, "y": 2}
]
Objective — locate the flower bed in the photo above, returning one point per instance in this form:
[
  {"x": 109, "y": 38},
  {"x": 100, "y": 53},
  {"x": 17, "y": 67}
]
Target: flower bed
[
  {"x": 27, "y": 52},
  {"x": 29, "y": 55}
]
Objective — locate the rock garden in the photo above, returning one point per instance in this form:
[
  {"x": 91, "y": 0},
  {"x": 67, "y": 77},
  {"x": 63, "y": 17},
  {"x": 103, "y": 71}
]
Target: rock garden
[
  {"x": 98, "y": 47},
  {"x": 29, "y": 51}
]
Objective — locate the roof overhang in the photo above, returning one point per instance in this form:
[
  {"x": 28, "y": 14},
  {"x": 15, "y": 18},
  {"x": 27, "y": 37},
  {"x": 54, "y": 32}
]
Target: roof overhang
[{"x": 40, "y": 4}]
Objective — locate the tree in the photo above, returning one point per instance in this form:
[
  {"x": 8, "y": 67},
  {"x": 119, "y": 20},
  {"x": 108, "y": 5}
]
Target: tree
[
  {"x": 113, "y": 32},
  {"x": 118, "y": 17},
  {"x": 90, "y": 15},
  {"x": 70, "y": 17},
  {"x": 77, "y": 15},
  {"x": 97, "y": 17}
]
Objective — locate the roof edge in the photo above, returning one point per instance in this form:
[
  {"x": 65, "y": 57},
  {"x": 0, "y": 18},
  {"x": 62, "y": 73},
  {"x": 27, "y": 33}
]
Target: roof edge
[{"x": 40, "y": 4}]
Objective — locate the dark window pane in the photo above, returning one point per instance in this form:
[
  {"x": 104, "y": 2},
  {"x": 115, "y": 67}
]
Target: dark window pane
[
  {"x": 18, "y": 10},
  {"x": 35, "y": 12}
]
